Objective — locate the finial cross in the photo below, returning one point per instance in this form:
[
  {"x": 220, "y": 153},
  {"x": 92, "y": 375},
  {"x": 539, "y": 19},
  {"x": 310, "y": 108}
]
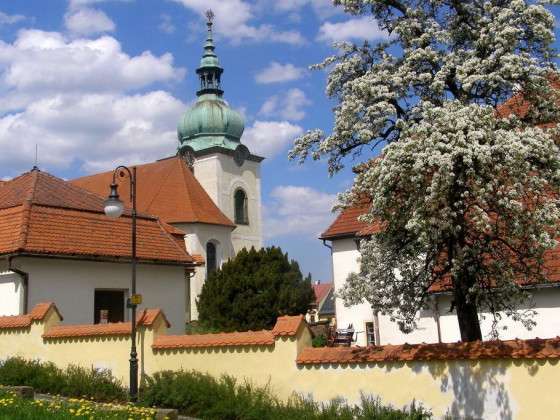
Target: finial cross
[{"x": 210, "y": 16}]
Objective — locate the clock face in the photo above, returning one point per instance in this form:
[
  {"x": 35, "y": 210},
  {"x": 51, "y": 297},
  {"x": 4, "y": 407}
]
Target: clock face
[{"x": 240, "y": 155}]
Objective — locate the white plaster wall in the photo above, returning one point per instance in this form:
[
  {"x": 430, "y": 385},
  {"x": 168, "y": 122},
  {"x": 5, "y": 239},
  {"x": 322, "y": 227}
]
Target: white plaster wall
[
  {"x": 196, "y": 238},
  {"x": 545, "y": 301},
  {"x": 345, "y": 256},
  {"x": 71, "y": 285},
  {"x": 11, "y": 294},
  {"x": 220, "y": 176}
]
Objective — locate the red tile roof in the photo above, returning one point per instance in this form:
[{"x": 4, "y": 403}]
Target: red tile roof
[
  {"x": 285, "y": 326},
  {"x": 42, "y": 214},
  {"x": 146, "y": 318},
  {"x": 347, "y": 224},
  {"x": 321, "y": 291},
  {"x": 16, "y": 321},
  {"x": 288, "y": 325},
  {"x": 249, "y": 338},
  {"x": 38, "y": 313},
  {"x": 511, "y": 349},
  {"x": 167, "y": 189}
]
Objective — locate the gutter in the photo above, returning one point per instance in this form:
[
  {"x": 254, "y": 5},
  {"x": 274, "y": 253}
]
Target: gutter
[{"x": 25, "y": 280}]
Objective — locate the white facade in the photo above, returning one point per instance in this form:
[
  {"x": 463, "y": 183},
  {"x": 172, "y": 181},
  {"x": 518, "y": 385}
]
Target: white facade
[
  {"x": 345, "y": 260},
  {"x": 196, "y": 238},
  {"x": 220, "y": 176},
  {"x": 71, "y": 284},
  {"x": 11, "y": 293}
]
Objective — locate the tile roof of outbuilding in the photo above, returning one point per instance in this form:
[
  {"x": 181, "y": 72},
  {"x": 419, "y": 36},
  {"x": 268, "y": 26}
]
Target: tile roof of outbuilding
[
  {"x": 510, "y": 349},
  {"x": 42, "y": 214},
  {"x": 165, "y": 188},
  {"x": 321, "y": 291}
]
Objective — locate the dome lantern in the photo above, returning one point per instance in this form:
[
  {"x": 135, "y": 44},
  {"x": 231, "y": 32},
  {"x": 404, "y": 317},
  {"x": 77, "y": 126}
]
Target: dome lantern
[{"x": 210, "y": 122}]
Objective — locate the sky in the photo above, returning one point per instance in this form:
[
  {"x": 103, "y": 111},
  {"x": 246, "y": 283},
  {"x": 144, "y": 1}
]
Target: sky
[{"x": 96, "y": 83}]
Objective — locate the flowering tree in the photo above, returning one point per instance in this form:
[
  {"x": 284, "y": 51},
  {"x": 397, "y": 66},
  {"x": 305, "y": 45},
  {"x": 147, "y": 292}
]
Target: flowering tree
[{"x": 466, "y": 191}]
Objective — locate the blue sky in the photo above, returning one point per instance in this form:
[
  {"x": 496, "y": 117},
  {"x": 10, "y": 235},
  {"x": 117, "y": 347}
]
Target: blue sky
[{"x": 100, "y": 82}]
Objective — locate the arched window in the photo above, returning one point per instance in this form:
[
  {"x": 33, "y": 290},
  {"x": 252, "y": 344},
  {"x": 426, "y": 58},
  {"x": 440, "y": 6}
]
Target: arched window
[
  {"x": 211, "y": 258},
  {"x": 240, "y": 202}
]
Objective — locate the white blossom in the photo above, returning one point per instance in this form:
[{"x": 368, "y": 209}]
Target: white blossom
[{"x": 464, "y": 194}]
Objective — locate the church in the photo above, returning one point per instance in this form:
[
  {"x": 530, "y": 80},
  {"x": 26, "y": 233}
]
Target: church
[{"x": 197, "y": 209}]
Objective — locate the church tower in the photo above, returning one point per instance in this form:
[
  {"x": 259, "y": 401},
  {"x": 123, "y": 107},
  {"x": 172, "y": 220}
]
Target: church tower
[{"x": 210, "y": 141}]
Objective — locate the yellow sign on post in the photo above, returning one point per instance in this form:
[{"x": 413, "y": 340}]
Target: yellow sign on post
[{"x": 136, "y": 299}]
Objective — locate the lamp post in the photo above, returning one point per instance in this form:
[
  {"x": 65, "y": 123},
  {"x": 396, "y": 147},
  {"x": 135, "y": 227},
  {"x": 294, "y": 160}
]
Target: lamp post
[{"x": 114, "y": 208}]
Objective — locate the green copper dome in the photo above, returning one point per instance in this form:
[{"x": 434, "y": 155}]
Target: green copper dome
[{"x": 210, "y": 122}]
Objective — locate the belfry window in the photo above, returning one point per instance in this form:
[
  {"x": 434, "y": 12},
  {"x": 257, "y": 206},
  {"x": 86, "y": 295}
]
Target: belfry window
[
  {"x": 240, "y": 202},
  {"x": 211, "y": 258}
]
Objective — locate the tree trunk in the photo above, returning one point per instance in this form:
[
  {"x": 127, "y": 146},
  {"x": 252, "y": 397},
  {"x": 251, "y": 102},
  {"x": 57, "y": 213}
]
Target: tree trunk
[{"x": 467, "y": 315}]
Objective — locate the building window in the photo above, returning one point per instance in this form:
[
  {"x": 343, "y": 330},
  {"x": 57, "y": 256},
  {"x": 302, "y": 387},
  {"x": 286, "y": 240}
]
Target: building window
[
  {"x": 108, "y": 306},
  {"x": 370, "y": 334},
  {"x": 241, "y": 216},
  {"x": 211, "y": 258}
]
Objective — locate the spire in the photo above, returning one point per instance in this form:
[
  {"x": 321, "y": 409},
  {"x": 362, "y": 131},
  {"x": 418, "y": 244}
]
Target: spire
[{"x": 209, "y": 71}]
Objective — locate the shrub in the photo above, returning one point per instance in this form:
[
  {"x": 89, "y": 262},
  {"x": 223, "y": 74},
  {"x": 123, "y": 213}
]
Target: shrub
[
  {"x": 319, "y": 341},
  {"x": 251, "y": 290},
  {"x": 73, "y": 381},
  {"x": 201, "y": 395}
]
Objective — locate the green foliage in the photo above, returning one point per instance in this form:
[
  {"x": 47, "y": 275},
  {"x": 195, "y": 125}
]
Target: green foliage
[
  {"x": 251, "y": 290},
  {"x": 201, "y": 395},
  {"x": 72, "y": 381},
  {"x": 13, "y": 407},
  {"x": 319, "y": 341}
]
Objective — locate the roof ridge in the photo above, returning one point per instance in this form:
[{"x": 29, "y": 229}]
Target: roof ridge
[
  {"x": 168, "y": 234},
  {"x": 167, "y": 175},
  {"x": 25, "y": 218}
]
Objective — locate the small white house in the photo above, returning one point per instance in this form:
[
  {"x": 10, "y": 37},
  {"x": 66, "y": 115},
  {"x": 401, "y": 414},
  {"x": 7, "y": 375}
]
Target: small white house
[
  {"x": 438, "y": 324},
  {"x": 57, "y": 245}
]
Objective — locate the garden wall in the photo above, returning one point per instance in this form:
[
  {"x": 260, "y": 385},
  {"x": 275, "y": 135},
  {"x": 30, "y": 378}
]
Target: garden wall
[{"x": 492, "y": 380}]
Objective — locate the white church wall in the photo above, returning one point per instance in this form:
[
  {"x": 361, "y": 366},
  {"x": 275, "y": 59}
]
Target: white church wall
[
  {"x": 221, "y": 176},
  {"x": 11, "y": 294},
  {"x": 71, "y": 284},
  {"x": 196, "y": 238}
]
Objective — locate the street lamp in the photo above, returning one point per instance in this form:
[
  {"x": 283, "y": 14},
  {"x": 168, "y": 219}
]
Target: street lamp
[{"x": 114, "y": 208}]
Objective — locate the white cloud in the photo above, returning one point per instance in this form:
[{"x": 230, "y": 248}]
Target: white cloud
[
  {"x": 232, "y": 20},
  {"x": 354, "y": 29},
  {"x": 79, "y": 3},
  {"x": 166, "y": 24},
  {"x": 322, "y": 8},
  {"x": 277, "y": 72},
  {"x": 6, "y": 19},
  {"x": 88, "y": 21},
  {"x": 297, "y": 210},
  {"x": 41, "y": 63},
  {"x": 268, "y": 138},
  {"x": 289, "y": 105},
  {"x": 93, "y": 131},
  {"x": 85, "y": 103}
]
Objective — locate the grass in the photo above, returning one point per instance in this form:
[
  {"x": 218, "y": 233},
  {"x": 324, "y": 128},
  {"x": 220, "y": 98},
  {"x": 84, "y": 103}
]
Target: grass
[
  {"x": 13, "y": 407},
  {"x": 201, "y": 395}
]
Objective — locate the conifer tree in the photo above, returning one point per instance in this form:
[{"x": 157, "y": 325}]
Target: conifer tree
[
  {"x": 464, "y": 194},
  {"x": 253, "y": 289}
]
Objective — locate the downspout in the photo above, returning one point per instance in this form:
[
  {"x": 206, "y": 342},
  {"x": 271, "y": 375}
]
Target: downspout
[
  {"x": 25, "y": 281},
  {"x": 436, "y": 314},
  {"x": 332, "y": 274}
]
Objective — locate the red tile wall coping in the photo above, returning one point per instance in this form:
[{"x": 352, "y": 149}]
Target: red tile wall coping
[
  {"x": 286, "y": 326},
  {"x": 510, "y": 349},
  {"x": 38, "y": 313},
  {"x": 249, "y": 338}
]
